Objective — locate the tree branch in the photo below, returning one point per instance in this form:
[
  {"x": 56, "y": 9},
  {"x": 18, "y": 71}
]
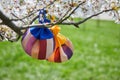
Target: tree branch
[
  {"x": 76, "y": 24},
  {"x": 80, "y": 22},
  {"x": 9, "y": 23},
  {"x": 34, "y": 19},
  {"x": 33, "y": 12},
  {"x": 38, "y": 10},
  {"x": 84, "y": 20},
  {"x": 17, "y": 18},
  {"x": 72, "y": 12},
  {"x": 61, "y": 19}
]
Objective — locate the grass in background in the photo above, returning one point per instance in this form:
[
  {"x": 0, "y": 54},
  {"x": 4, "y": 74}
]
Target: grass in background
[{"x": 96, "y": 56}]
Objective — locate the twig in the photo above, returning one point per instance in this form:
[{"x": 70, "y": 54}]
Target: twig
[
  {"x": 21, "y": 18},
  {"x": 76, "y": 24},
  {"x": 84, "y": 20},
  {"x": 60, "y": 20},
  {"x": 80, "y": 22},
  {"x": 17, "y": 18},
  {"x": 72, "y": 12},
  {"x": 49, "y": 4},
  {"x": 34, "y": 19},
  {"x": 33, "y": 12}
]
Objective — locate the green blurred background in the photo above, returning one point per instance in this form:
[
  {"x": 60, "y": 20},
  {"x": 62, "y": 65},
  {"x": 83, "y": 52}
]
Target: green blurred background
[{"x": 96, "y": 56}]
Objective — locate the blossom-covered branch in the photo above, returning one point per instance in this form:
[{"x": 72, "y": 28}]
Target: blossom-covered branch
[
  {"x": 65, "y": 18},
  {"x": 33, "y": 11},
  {"x": 17, "y": 15},
  {"x": 5, "y": 20},
  {"x": 76, "y": 24}
]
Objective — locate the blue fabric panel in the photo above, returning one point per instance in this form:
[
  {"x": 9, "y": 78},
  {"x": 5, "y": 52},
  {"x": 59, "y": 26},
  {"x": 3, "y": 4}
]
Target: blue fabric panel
[{"x": 41, "y": 33}]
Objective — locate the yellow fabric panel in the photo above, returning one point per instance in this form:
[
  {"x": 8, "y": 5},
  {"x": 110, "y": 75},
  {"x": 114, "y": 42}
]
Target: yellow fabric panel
[{"x": 61, "y": 39}]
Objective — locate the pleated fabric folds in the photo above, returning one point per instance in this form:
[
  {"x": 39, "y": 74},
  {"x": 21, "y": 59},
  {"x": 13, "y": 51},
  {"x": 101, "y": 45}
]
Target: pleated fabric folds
[
  {"x": 63, "y": 47},
  {"x": 38, "y": 43}
]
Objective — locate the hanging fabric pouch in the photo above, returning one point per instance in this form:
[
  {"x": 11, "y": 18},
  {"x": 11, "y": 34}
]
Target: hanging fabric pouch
[
  {"x": 63, "y": 47},
  {"x": 39, "y": 42}
]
